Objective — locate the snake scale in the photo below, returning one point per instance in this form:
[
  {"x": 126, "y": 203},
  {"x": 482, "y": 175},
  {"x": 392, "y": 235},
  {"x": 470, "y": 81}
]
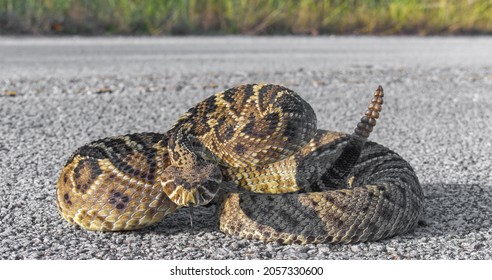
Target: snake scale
[{"x": 256, "y": 152}]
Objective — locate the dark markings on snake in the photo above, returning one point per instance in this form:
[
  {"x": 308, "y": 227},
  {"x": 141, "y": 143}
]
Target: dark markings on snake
[
  {"x": 248, "y": 92},
  {"x": 128, "y": 169},
  {"x": 386, "y": 196},
  {"x": 337, "y": 174},
  {"x": 291, "y": 104},
  {"x": 229, "y": 132},
  {"x": 249, "y": 127},
  {"x": 272, "y": 94},
  {"x": 290, "y": 129},
  {"x": 335, "y": 221},
  {"x": 150, "y": 178},
  {"x": 261, "y": 98},
  {"x": 229, "y": 96},
  {"x": 239, "y": 149},
  {"x": 237, "y": 104},
  {"x": 88, "y": 163},
  {"x": 224, "y": 131},
  {"x": 342, "y": 206},
  {"x": 247, "y": 211},
  {"x": 172, "y": 145},
  {"x": 91, "y": 152},
  {"x": 386, "y": 212},
  {"x": 376, "y": 154},
  {"x": 265, "y": 96},
  {"x": 210, "y": 104},
  {"x": 314, "y": 187},
  {"x": 315, "y": 204},
  {"x": 120, "y": 147},
  {"x": 150, "y": 137},
  {"x": 118, "y": 199},
  {"x": 310, "y": 239},
  {"x": 287, "y": 217},
  {"x": 140, "y": 140},
  {"x": 272, "y": 120},
  {"x": 330, "y": 199},
  {"x": 226, "y": 134}
]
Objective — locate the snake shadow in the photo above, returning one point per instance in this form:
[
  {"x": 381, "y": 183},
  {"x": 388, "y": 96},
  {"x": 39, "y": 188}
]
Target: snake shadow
[
  {"x": 454, "y": 210},
  {"x": 204, "y": 220}
]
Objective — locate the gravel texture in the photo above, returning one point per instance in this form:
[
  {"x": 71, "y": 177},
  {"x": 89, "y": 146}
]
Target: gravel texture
[{"x": 57, "y": 94}]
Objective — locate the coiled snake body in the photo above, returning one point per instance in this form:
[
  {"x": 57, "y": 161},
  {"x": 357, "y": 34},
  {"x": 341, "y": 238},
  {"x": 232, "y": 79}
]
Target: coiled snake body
[{"x": 256, "y": 152}]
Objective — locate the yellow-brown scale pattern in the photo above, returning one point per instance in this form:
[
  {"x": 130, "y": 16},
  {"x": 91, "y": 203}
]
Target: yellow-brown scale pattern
[
  {"x": 113, "y": 184},
  {"x": 313, "y": 185},
  {"x": 249, "y": 125}
]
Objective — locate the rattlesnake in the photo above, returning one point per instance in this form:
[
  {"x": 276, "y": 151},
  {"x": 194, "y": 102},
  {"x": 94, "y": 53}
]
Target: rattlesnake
[{"x": 256, "y": 152}]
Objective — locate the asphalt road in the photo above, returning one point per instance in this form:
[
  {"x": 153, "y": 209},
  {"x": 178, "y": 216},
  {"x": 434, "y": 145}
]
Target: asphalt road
[{"x": 437, "y": 115}]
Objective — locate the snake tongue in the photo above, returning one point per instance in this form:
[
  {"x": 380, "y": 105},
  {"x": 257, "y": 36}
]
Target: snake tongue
[{"x": 191, "y": 217}]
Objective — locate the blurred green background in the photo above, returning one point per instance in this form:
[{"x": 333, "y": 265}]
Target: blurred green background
[{"x": 212, "y": 17}]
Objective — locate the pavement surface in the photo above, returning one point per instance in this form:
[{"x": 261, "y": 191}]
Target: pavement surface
[{"x": 54, "y": 98}]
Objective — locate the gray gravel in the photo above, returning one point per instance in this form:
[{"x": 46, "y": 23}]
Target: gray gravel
[{"x": 437, "y": 115}]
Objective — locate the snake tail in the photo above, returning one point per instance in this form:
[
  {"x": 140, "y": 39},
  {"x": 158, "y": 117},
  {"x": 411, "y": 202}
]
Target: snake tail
[{"x": 336, "y": 175}]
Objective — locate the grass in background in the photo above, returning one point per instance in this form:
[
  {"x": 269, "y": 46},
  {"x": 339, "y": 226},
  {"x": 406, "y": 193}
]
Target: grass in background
[{"x": 161, "y": 17}]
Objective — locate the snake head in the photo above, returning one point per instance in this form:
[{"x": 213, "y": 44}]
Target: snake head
[{"x": 195, "y": 185}]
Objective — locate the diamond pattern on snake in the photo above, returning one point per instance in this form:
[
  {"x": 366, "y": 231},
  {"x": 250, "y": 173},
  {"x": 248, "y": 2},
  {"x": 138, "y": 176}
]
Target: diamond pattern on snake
[{"x": 256, "y": 152}]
